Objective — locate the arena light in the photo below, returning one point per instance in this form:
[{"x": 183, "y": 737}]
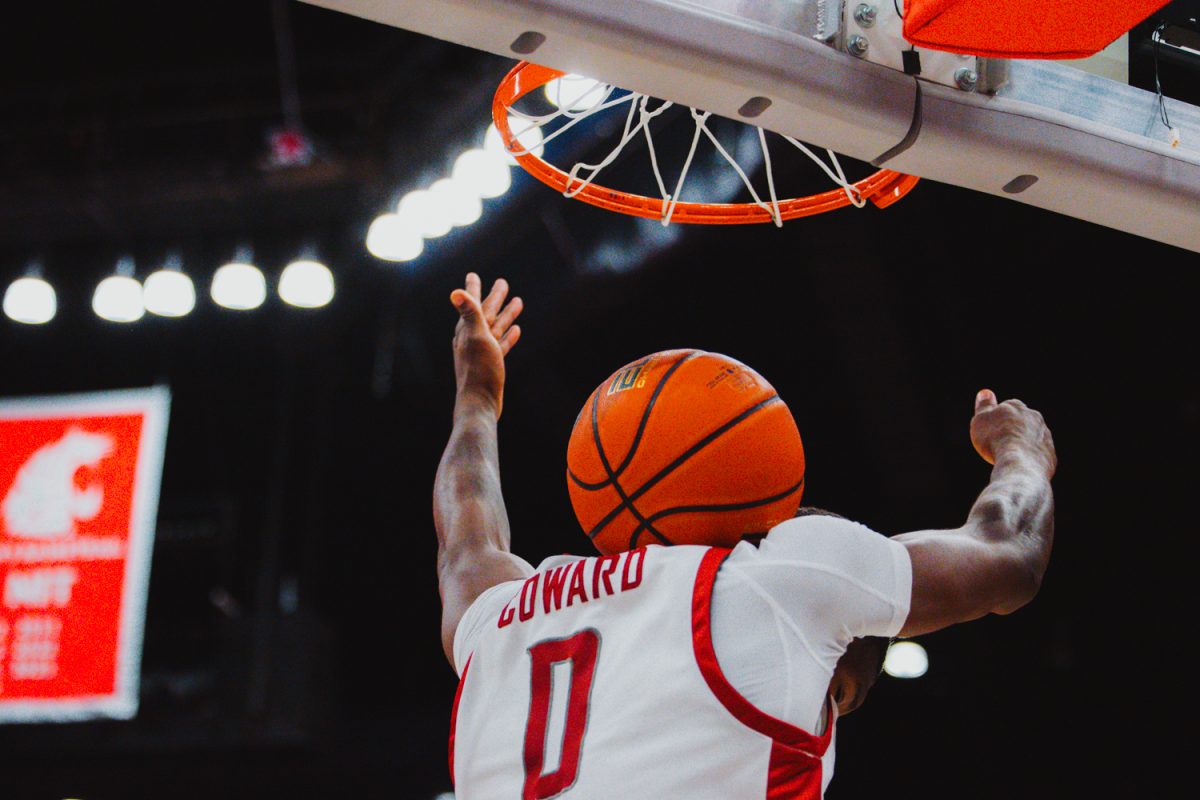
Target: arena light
[
  {"x": 906, "y": 660},
  {"x": 30, "y": 300},
  {"x": 118, "y": 298},
  {"x": 527, "y": 134},
  {"x": 482, "y": 172},
  {"x": 169, "y": 293},
  {"x": 392, "y": 237},
  {"x": 238, "y": 286},
  {"x": 459, "y": 203},
  {"x": 425, "y": 213},
  {"x": 306, "y": 284},
  {"x": 574, "y": 92}
]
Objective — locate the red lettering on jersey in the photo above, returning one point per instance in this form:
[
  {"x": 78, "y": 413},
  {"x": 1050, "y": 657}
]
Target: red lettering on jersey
[
  {"x": 553, "y": 588},
  {"x": 580, "y": 650},
  {"x": 571, "y": 580},
  {"x": 529, "y": 590},
  {"x": 605, "y": 566},
  {"x": 577, "y": 584},
  {"x": 626, "y": 581},
  {"x": 506, "y": 616}
]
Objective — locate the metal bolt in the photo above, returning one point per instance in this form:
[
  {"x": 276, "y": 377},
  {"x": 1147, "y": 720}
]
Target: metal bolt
[
  {"x": 864, "y": 15},
  {"x": 857, "y": 46},
  {"x": 966, "y": 79}
]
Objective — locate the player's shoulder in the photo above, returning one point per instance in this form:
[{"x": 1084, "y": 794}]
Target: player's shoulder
[
  {"x": 817, "y": 537},
  {"x": 818, "y": 525}
]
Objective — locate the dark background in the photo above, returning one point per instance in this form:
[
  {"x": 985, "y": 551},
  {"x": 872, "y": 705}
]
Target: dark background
[{"x": 292, "y": 640}]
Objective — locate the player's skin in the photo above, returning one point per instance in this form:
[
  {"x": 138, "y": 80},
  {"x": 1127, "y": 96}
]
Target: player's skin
[
  {"x": 472, "y": 525},
  {"x": 856, "y": 673},
  {"x": 992, "y": 564},
  {"x": 468, "y": 506}
]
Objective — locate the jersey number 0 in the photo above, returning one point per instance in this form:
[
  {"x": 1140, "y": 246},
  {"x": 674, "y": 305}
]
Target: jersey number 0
[{"x": 580, "y": 651}]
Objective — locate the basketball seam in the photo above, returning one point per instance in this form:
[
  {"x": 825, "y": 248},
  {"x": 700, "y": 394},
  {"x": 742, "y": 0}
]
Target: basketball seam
[
  {"x": 637, "y": 438},
  {"x": 679, "y": 460},
  {"x": 625, "y": 501},
  {"x": 666, "y": 512}
]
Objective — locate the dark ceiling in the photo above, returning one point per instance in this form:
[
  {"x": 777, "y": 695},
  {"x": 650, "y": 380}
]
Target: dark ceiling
[{"x": 292, "y": 640}]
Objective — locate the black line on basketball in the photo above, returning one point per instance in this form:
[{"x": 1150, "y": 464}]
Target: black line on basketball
[
  {"x": 674, "y": 465},
  {"x": 765, "y": 501},
  {"x": 612, "y": 476},
  {"x": 637, "y": 533},
  {"x": 637, "y": 438}
]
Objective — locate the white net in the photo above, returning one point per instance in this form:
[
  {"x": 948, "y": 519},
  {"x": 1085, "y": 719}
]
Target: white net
[{"x": 580, "y": 102}]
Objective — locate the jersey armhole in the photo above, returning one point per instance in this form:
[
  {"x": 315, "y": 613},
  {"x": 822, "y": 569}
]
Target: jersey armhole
[
  {"x": 454, "y": 715},
  {"x": 482, "y": 610},
  {"x": 734, "y": 702}
]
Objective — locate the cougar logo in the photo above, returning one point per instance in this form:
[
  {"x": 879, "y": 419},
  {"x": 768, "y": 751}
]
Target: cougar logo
[{"x": 44, "y": 502}]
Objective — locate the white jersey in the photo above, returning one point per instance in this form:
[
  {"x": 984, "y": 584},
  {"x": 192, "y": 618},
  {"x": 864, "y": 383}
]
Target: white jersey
[{"x": 598, "y": 679}]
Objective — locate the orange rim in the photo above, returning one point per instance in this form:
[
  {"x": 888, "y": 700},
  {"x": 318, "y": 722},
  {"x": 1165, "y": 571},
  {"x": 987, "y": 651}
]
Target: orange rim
[{"x": 883, "y": 188}]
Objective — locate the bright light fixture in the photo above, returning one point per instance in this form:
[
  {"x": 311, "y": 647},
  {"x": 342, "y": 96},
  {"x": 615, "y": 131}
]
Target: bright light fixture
[
  {"x": 574, "y": 92},
  {"x": 238, "y": 286},
  {"x": 483, "y": 173},
  {"x": 169, "y": 293},
  {"x": 392, "y": 237},
  {"x": 459, "y": 203},
  {"x": 527, "y": 134},
  {"x": 306, "y": 284},
  {"x": 31, "y": 301},
  {"x": 118, "y": 298},
  {"x": 425, "y": 214},
  {"x": 906, "y": 660}
]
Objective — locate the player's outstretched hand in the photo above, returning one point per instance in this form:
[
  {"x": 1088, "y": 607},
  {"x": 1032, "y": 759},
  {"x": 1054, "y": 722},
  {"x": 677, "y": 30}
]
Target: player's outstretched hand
[
  {"x": 486, "y": 333},
  {"x": 997, "y": 427}
]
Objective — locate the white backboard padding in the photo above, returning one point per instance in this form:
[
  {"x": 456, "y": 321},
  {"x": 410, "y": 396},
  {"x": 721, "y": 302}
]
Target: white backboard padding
[
  {"x": 686, "y": 52},
  {"x": 1089, "y": 142}
]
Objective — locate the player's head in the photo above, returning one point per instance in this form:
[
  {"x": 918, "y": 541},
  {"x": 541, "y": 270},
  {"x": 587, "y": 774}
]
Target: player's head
[
  {"x": 813, "y": 511},
  {"x": 683, "y": 447}
]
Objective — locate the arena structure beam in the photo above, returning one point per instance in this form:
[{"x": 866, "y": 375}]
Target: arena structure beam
[{"x": 1041, "y": 133}]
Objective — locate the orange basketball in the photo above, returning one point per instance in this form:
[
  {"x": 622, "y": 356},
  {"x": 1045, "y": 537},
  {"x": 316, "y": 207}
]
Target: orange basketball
[{"x": 683, "y": 447}]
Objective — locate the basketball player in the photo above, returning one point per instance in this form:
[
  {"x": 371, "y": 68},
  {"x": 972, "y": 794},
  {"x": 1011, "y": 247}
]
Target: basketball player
[{"x": 692, "y": 672}]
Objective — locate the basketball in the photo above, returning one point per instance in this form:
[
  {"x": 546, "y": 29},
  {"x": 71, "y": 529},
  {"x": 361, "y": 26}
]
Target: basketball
[{"x": 683, "y": 447}]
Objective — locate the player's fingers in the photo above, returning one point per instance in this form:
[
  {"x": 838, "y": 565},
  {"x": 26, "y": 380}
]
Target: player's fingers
[
  {"x": 510, "y": 339},
  {"x": 468, "y": 307},
  {"x": 507, "y": 317},
  {"x": 984, "y": 400},
  {"x": 474, "y": 285},
  {"x": 495, "y": 299}
]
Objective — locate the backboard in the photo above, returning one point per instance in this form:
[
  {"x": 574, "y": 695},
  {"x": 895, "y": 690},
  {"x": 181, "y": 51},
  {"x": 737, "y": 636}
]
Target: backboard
[{"x": 1042, "y": 133}]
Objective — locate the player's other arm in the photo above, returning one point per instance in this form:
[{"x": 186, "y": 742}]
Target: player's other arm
[
  {"x": 994, "y": 563},
  {"x": 468, "y": 506}
]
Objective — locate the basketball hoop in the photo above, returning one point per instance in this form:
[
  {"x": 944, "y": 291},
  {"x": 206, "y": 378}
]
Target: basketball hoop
[{"x": 882, "y": 188}]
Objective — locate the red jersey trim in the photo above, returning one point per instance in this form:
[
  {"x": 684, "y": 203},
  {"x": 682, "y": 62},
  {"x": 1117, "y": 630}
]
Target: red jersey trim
[
  {"x": 793, "y": 775},
  {"x": 782, "y": 732},
  {"x": 454, "y": 713}
]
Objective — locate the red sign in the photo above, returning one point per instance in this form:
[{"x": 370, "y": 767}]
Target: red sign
[{"x": 79, "y": 480}]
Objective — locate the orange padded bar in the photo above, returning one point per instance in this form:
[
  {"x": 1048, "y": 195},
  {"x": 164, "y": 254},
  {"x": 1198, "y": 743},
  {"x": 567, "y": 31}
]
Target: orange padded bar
[{"x": 1022, "y": 28}]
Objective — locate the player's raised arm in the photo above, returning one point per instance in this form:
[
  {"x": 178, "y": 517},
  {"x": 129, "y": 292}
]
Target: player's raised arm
[
  {"x": 994, "y": 563},
  {"x": 468, "y": 506}
]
